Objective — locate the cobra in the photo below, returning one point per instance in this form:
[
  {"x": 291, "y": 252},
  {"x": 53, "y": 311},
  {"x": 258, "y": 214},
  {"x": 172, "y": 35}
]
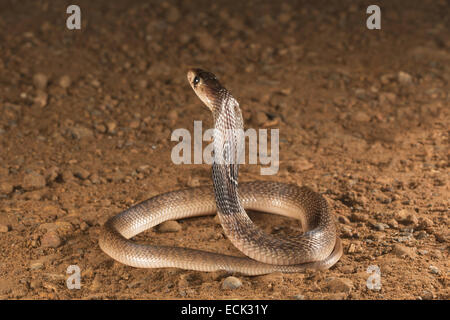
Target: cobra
[{"x": 318, "y": 247}]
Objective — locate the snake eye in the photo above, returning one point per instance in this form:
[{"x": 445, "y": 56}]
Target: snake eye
[{"x": 196, "y": 80}]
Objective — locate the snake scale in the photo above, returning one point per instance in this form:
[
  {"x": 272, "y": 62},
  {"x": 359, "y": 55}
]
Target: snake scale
[{"x": 318, "y": 247}]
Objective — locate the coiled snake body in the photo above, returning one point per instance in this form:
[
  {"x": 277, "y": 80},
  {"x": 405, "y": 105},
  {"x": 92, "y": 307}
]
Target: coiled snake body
[{"x": 317, "y": 248}]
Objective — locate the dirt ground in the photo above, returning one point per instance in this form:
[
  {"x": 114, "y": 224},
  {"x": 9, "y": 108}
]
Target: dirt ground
[{"x": 86, "y": 118}]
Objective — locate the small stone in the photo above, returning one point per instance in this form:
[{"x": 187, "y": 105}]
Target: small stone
[
  {"x": 299, "y": 297},
  {"x": 169, "y": 226},
  {"x": 51, "y": 239},
  {"x": 434, "y": 270},
  {"x": 65, "y": 82},
  {"x": 386, "y": 78},
  {"x": 51, "y": 174},
  {"x": 96, "y": 283},
  {"x": 231, "y": 283},
  {"x": 40, "y": 81},
  {"x": 361, "y": 116},
  {"x": 346, "y": 231},
  {"x": 95, "y": 178},
  {"x": 33, "y": 181},
  {"x": 67, "y": 176},
  {"x": 4, "y": 228},
  {"x": 6, "y": 188},
  {"x": 358, "y": 217},
  {"x": 404, "y": 78},
  {"x": 406, "y": 216},
  {"x": 427, "y": 295},
  {"x": 95, "y": 83},
  {"x": 343, "y": 219},
  {"x": 100, "y": 128},
  {"x": 393, "y": 223},
  {"x": 112, "y": 126},
  {"x": 425, "y": 223},
  {"x": 84, "y": 226},
  {"x": 351, "y": 248},
  {"x": 338, "y": 284},
  {"x": 81, "y": 173},
  {"x": 300, "y": 164},
  {"x": 402, "y": 251},
  {"x": 81, "y": 133},
  {"x": 421, "y": 235},
  {"x": 379, "y": 226},
  {"x": 134, "y": 124},
  {"x": 41, "y": 98},
  {"x": 143, "y": 169},
  {"x": 36, "y": 265}
]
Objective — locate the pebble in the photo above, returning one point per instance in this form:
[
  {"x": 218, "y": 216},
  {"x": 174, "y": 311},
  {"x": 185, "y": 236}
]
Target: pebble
[
  {"x": 361, "y": 116},
  {"x": 404, "y": 78},
  {"x": 33, "y": 181},
  {"x": 380, "y": 226},
  {"x": 40, "y": 81},
  {"x": 67, "y": 176},
  {"x": 300, "y": 164},
  {"x": 112, "y": 126},
  {"x": 402, "y": 251},
  {"x": 81, "y": 132},
  {"x": 425, "y": 223},
  {"x": 81, "y": 173},
  {"x": 299, "y": 297},
  {"x": 231, "y": 283},
  {"x": 51, "y": 239},
  {"x": 434, "y": 270},
  {"x": 406, "y": 216},
  {"x": 134, "y": 124},
  {"x": 65, "y": 82},
  {"x": 4, "y": 228},
  {"x": 52, "y": 173},
  {"x": 41, "y": 98},
  {"x": 169, "y": 226},
  {"x": 358, "y": 217},
  {"x": 36, "y": 265},
  {"x": 427, "y": 295},
  {"x": 100, "y": 128},
  {"x": 386, "y": 78},
  {"x": 343, "y": 219},
  {"x": 351, "y": 248},
  {"x": 393, "y": 223},
  {"x": 96, "y": 283},
  {"x": 338, "y": 284},
  {"x": 6, "y": 188},
  {"x": 95, "y": 178}
]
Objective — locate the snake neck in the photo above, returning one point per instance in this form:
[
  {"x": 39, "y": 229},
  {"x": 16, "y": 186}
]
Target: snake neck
[{"x": 228, "y": 146}]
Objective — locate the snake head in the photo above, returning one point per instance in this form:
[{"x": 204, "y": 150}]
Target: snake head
[{"x": 206, "y": 86}]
